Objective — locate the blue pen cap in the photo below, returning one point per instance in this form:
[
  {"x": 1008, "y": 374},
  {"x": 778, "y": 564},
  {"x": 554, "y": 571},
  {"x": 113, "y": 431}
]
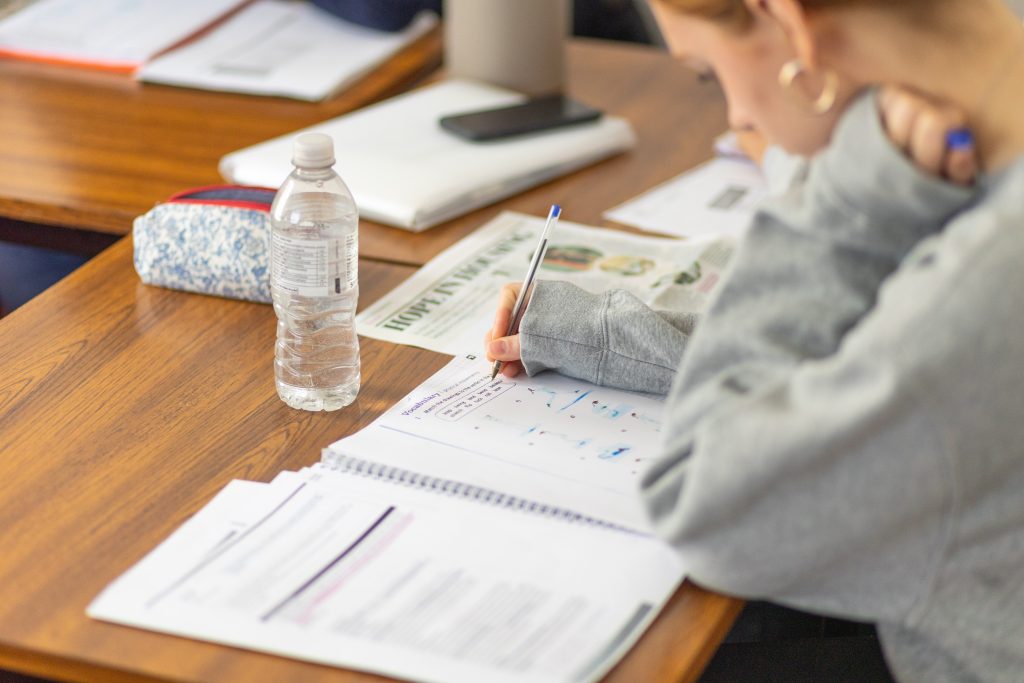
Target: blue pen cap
[{"x": 959, "y": 138}]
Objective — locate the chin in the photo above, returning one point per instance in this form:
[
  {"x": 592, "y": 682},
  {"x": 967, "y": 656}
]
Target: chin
[
  {"x": 803, "y": 149},
  {"x": 806, "y": 142}
]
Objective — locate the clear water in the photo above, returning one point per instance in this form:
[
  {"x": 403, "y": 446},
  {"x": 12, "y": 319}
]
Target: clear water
[{"x": 316, "y": 359}]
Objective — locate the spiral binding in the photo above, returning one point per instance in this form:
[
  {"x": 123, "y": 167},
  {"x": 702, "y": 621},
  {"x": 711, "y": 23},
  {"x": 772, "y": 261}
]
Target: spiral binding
[{"x": 333, "y": 460}]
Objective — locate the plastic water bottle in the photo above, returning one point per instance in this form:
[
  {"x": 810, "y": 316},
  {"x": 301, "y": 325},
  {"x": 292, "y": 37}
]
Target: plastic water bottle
[{"x": 314, "y": 281}]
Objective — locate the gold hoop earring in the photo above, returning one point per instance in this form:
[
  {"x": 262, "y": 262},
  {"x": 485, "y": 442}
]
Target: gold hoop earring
[{"x": 824, "y": 103}]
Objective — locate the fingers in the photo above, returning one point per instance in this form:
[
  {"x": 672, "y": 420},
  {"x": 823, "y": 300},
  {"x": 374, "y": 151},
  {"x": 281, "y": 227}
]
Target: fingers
[
  {"x": 500, "y": 326},
  {"x": 504, "y": 349},
  {"x": 962, "y": 165},
  {"x": 502, "y": 317},
  {"x": 510, "y": 370},
  {"x": 899, "y": 111},
  {"x": 498, "y": 345},
  {"x": 507, "y": 295},
  {"x": 928, "y": 140},
  {"x": 932, "y": 134}
]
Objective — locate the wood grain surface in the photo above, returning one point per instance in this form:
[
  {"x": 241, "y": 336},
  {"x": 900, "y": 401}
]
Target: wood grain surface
[
  {"x": 123, "y": 409},
  {"x": 92, "y": 150}
]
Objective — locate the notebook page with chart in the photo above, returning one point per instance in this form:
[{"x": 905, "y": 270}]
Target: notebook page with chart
[{"x": 548, "y": 440}]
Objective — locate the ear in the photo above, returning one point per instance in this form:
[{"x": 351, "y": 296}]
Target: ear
[{"x": 791, "y": 18}]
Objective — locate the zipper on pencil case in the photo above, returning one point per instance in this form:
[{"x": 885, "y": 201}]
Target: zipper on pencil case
[{"x": 240, "y": 196}]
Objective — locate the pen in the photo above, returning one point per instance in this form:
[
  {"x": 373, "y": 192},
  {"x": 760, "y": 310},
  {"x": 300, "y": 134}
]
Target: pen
[{"x": 527, "y": 289}]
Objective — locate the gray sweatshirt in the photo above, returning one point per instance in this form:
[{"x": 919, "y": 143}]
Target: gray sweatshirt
[{"x": 845, "y": 431}]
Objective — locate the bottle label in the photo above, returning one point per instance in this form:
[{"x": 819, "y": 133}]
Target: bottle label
[
  {"x": 352, "y": 259},
  {"x": 314, "y": 267}
]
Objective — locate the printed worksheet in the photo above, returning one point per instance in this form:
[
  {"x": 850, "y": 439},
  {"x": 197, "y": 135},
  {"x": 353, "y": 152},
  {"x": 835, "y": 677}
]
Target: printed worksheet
[
  {"x": 404, "y": 582},
  {"x": 550, "y": 439},
  {"x": 449, "y": 303},
  {"x": 717, "y": 198}
]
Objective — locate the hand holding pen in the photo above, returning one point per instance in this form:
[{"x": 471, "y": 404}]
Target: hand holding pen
[{"x": 502, "y": 341}]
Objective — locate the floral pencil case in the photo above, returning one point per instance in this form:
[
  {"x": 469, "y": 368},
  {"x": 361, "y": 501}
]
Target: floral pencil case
[{"x": 211, "y": 240}]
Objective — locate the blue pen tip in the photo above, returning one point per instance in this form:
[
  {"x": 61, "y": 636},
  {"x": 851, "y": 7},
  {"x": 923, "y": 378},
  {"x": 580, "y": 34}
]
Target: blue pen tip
[
  {"x": 556, "y": 211},
  {"x": 959, "y": 138}
]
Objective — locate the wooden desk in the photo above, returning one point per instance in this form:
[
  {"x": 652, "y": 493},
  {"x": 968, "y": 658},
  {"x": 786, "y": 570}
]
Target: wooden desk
[
  {"x": 123, "y": 409},
  {"x": 92, "y": 151}
]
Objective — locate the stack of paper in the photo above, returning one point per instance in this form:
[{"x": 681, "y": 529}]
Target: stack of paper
[
  {"x": 117, "y": 35},
  {"x": 290, "y": 49},
  {"x": 405, "y": 170},
  {"x": 410, "y": 575}
]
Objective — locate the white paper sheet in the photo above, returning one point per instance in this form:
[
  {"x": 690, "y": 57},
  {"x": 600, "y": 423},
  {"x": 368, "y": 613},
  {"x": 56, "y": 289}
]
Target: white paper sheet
[
  {"x": 119, "y": 34},
  {"x": 549, "y": 439},
  {"x": 369, "y": 575},
  {"x": 728, "y": 145},
  {"x": 275, "y": 47},
  {"x": 449, "y": 303},
  {"x": 716, "y": 198}
]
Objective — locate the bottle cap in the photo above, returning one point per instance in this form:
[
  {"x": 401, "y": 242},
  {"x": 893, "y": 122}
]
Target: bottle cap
[{"x": 313, "y": 150}]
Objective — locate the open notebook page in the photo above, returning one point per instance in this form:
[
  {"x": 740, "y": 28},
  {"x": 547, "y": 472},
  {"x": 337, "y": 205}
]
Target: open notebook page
[{"x": 548, "y": 439}]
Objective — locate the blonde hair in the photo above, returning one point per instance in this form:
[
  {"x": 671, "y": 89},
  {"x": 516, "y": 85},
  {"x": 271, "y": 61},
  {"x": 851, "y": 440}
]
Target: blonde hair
[{"x": 735, "y": 15}]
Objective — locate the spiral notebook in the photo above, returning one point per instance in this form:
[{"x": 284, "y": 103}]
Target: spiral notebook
[
  {"x": 551, "y": 443},
  {"x": 467, "y": 535}
]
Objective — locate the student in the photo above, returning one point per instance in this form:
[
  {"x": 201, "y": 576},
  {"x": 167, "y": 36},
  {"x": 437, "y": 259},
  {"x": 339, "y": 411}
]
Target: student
[{"x": 845, "y": 431}]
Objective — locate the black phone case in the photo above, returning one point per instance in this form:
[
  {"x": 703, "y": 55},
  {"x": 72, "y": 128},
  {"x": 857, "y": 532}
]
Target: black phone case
[{"x": 520, "y": 119}]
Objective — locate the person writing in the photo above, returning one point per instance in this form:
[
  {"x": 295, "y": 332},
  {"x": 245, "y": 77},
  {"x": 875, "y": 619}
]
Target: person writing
[{"x": 843, "y": 429}]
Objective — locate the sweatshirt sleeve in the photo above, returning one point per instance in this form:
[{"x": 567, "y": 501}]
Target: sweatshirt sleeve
[
  {"x": 611, "y": 339},
  {"x": 783, "y": 412}
]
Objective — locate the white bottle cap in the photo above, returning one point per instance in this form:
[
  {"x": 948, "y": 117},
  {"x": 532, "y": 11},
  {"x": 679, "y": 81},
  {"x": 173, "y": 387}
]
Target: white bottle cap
[{"x": 313, "y": 150}]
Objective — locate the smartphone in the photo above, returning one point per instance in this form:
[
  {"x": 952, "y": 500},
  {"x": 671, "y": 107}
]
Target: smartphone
[{"x": 532, "y": 116}]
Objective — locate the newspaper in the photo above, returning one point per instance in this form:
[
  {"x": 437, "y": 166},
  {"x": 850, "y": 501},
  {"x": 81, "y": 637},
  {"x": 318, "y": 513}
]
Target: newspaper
[{"x": 449, "y": 304}]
